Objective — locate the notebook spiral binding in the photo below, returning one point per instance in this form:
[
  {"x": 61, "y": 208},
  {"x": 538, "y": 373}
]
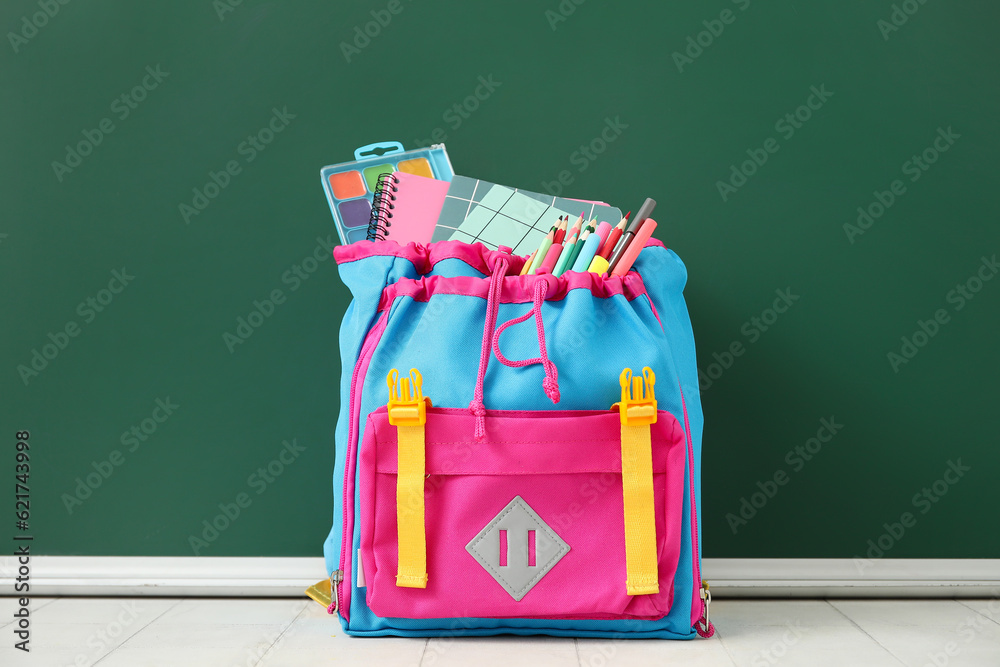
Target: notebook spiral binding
[{"x": 382, "y": 198}]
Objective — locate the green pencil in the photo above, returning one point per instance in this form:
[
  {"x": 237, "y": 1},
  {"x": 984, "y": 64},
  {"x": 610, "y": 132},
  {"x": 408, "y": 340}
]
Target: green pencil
[
  {"x": 588, "y": 230},
  {"x": 544, "y": 248},
  {"x": 567, "y": 253}
]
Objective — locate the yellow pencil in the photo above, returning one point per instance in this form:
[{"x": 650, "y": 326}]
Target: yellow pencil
[{"x": 527, "y": 264}]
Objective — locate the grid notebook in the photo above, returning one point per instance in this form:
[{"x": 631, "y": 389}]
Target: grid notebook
[{"x": 477, "y": 211}]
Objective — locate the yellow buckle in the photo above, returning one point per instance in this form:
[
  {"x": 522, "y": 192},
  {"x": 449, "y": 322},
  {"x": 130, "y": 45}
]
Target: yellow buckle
[
  {"x": 405, "y": 408},
  {"x": 639, "y": 407}
]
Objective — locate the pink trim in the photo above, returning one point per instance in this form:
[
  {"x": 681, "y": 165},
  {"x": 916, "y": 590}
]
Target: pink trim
[
  {"x": 424, "y": 257},
  {"x": 503, "y": 547},
  {"x": 535, "y": 455},
  {"x": 697, "y": 605},
  {"x": 347, "y": 527},
  {"x": 516, "y": 289},
  {"x": 531, "y": 548}
]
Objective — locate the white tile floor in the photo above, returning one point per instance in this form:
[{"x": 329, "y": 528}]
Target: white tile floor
[{"x": 111, "y": 632}]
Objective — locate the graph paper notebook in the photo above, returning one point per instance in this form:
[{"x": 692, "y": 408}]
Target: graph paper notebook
[
  {"x": 405, "y": 207},
  {"x": 494, "y": 215}
]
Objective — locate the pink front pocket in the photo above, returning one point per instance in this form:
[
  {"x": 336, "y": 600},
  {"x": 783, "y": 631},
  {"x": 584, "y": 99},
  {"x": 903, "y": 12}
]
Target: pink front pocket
[{"x": 527, "y": 523}]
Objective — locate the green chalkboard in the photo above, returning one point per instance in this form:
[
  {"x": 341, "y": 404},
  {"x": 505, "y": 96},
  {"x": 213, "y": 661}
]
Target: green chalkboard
[{"x": 827, "y": 170}]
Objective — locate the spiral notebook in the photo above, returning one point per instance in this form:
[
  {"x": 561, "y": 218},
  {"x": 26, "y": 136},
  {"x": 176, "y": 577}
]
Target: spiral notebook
[{"x": 405, "y": 207}]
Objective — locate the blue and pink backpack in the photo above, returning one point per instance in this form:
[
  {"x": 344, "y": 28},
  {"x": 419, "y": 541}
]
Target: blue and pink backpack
[{"x": 495, "y": 475}]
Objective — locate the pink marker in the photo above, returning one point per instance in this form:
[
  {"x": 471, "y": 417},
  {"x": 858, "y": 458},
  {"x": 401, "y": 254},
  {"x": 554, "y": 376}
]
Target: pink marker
[
  {"x": 635, "y": 246},
  {"x": 551, "y": 257},
  {"x": 604, "y": 230}
]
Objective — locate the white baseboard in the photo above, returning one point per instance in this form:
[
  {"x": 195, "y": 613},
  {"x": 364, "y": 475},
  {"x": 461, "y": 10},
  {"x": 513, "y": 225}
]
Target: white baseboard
[
  {"x": 289, "y": 577},
  {"x": 848, "y": 577},
  {"x": 166, "y": 576}
]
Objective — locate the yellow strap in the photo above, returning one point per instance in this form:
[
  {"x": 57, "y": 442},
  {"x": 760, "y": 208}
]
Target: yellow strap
[
  {"x": 638, "y": 412},
  {"x": 412, "y": 571},
  {"x": 640, "y": 528}
]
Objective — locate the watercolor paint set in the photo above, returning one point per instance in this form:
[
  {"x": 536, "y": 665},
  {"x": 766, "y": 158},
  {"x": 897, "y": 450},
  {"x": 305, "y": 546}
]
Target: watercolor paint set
[{"x": 350, "y": 186}]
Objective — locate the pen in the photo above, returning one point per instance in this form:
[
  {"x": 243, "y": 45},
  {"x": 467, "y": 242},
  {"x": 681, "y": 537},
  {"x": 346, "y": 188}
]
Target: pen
[
  {"x": 635, "y": 246},
  {"x": 644, "y": 212}
]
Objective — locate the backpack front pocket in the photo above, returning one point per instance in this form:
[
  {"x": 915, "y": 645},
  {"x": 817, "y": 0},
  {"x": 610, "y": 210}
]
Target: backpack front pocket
[{"x": 529, "y": 521}]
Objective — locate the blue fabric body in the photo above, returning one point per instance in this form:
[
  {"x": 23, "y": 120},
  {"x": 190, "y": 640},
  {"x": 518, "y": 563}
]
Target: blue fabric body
[{"x": 589, "y": 339}]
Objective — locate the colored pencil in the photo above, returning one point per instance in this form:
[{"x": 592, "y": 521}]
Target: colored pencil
[
  {"x": 616, "y": 233},
  {"x": 577, "y": 247},
  {"x": 560, "y": 231},
  {"x": 543, "y": 248},
  {"x": 644, "y": 212},
  {"x": 568, "y": 252},
  {"x": 527, "y": 263}
]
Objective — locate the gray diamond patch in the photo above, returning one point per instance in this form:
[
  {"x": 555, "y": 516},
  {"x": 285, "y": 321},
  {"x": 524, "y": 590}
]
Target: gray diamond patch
[{"x": 527, "y": 557}]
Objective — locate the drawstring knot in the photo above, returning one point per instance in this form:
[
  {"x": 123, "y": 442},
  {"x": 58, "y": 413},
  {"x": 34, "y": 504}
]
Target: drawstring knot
[
  {"x": 491, "y": 339},
  {"x": 551, "y": 382}
]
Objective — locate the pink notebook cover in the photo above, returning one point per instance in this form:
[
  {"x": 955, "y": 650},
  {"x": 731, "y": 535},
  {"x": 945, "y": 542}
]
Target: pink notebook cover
[{"x": 415, "y": 210}]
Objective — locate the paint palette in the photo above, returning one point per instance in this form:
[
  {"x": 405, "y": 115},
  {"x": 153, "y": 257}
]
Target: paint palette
[{"x": 349, "y": 186}]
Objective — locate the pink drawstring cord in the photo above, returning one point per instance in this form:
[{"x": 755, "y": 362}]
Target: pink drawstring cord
[
  {"x": 476, "y": 407},
  {"x": 551, "y": 382}
]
